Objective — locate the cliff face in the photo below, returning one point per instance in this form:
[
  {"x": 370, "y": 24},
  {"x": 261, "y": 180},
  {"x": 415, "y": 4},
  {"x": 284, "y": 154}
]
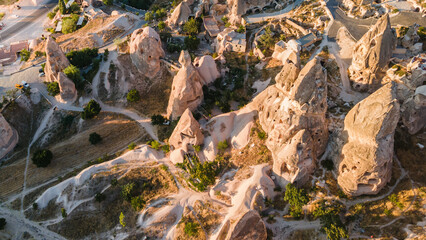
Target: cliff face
[
  {"x": 293, "y": 114},
  {"x": 56, "y": 62},
  {"x": 365, "y": 162},
  {"x": 187, "y": 88},
  {"x": 8, "y": 137},
  {"x": 146, "y": 51},
  {"x": 371, "y": 56}
]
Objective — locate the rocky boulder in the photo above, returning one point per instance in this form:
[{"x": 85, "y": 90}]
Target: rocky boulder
[
  {"x": 207, "y": 68},
  {"x": 365, "y": 163},
  {"x": 180, "y": 15},
  {"x": 411, "y": 37},
  {"x": 237, "y": 8},
  {"x": 56, "y": 62},
  {"x": 9, "y": 137},
  {"x": 187, "y": 132},
  {"x": 371, "y": 56},
  {"x": 413, "y": 111},
  {"x": 146, "y": 51},
  {"x": 249, "y": 226},
  {"x": 187, "y": 88},
  {"x": 292, "y": 112}
]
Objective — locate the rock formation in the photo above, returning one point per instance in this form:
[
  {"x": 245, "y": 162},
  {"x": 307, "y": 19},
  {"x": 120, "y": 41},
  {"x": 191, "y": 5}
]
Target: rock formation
[
  {"x": 371, "y": 56},
  {"x": 180, "y": 15},
  {"x": 56, "y": 62},
  {"x": 287, "y": 51},
  {"x": 413, "y": 111},
  {"x": 8, "y": 137},
  {"x": 187, "y": 91},
  {"x": 249, "y": 226},
  {"x": 146, "y": 51},
  {"x": 237, "y": 8},
  {"x": 292, "y": 112},
  {"x": 187, "y": 132},
  {"x": 207, "y": 68},
  {"x": 365, "y": 162}
]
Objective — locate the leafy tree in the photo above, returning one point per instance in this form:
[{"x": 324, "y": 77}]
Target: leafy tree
[
  {"x": 155, "y": 144},
  {"x": 127, "y": 191},
  {"x": 2, "y": 223},
  {"x": 51, "y": 15},
  {"x": 331, "y": 224},
  {"x": 327, "y": 164},
  {"x": 68, "y": 25},
  {"x": 108, "y": 2},
  {"x": 138, "y": 203},
  {"x": 62, "y": 7},
  {"x": 131, "y": 146},
  {"x": 222, "y": 145},
  {"x": 95, "y": 138},
  {"x": 297, "y": 198},
  {"x": 149, "y": 16},
  {"x": 241, "y": 29},
  {"x": 161, "y": 25},
  {"x": 157, "y": 119},
  {"x": 91, "y": 110},
  {"x": 42, "y": 157},
  {"x": 84, "y": 57},
  {"x": 191, "y": 43},
  {"x": 114, "y": 182},
  {"x": 64, "y": 212},
  {"x": 266, "y": 40},
  {"x": 53, "y": 88},
  {"x": 191, "y": 27},
  {"x": 99, "y": 197},
  {"x": 25, "y": 55},
  {"x": 35, "y": 206},
  {"x": 133, "y": 95},
  {"x": 165, "y": 148},
  {"x": 122, "y": 222},
  {"x": 191, "y": 229},
  {"x": 73, "y": 73},
  {"x": 160, "y": 13}
]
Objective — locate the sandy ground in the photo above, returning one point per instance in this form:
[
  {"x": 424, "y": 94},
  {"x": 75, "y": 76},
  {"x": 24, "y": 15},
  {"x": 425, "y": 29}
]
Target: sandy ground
[{"x": 71, "y": 153}]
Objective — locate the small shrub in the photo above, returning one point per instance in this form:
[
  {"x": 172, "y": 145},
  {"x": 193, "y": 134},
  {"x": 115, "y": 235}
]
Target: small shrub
[
  {"x": 191, "y": 43},
  {"x": 387, "y": 212},
  {"x": 158, "y": 119},
  {"x": 51, "y": 15},
  {"x": 215, "y": 55},
  {"x": 191, "y": 27},
  {"x": 191, "y": 229},
  {"x": 197, "y": 148},
  {"x": 241, "y": 29},
  {"x": 327, "y": 164},
  {"x": 25, "y": 55},
  {"x": 114, "y": 182},
  {"x": 127, "y": 191},
  {"x": 73, "y": 73},
  {"x": 133, "y": 95},
  {"x": 40, "y": 54},
  {"x": 95, "y": 138},
  {"x": 64, "y": 212},
  {"x": 261, "y": 134},
  {"x": 122, "y": 222},
  {"x": 35, "y": 206},
  {"x": 138, "y": 203},
  {"x": 149, "y": 16},
  {"x": 69, "y": 25},
  {"x": 131, "y": 146},
  {"x": 297, "y": 198},
  {"x": 53, "y": 88},
  {"x": 42, "y": 158},
  {"x": 154, "y": 144},
  {"x": 106, "y": 54},
  {"x": 222, "y": 145},
  {"x": 99, "y": 197},
  {"x": 108, "y": 2},
  {"x": 165, "y": 148},
  {"x": 91, "y": 110},
  {"x": 2, "y": 223},
  {"x": 164, "y": 167},
  {"x": 161, "y": 25}
]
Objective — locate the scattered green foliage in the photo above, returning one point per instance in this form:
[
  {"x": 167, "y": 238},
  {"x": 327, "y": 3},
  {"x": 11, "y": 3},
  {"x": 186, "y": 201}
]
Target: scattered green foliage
[
  {"x": 165, "y": 148},
  {"x": 62, "y": 7},
  {"x": 191, "y": 229},
  {"x": 127, "y": 191},
  {"x": 82, "y": 58},
  {"x": 154, "y": 144},
  {"x": 99, "y": 197},
  {"x": 138, "y": 203},
  {"x": 91, "y": 110},
  {"x": 95, "y": 138},
  {"x": 158, "y": 119},
  {"x": 64, "y": 212},
  {"x": 191, "y": 27},
  {"x": 73, "y": 73},
  {"x": 329, "y": 215},
  {"x": 108, "y": 2},
  {"x": 241, "y": 29},
  {"x": 191, "y": 43},
  {"x": 222, "y": 145},
  {"x": 42, "y": 157},
  {"x": 327, "y": 164},
  {"x": 149, "y": 16},
  {"x": 106, "y": 54},
  {"x": 122, "y": 222},
  {"x": 131, "y": 146},
  {"x": 266, "y": 40},
  {"x": 161, "y": 25},
  {"x": 197, "y": 148},
  {"x": 25, "y": 55},
  {"x": 53, "y": 88},
  {"x": 261, "y": 134},
  {"x": 69, "y": 24},
  {"x": 133, "y": 95},
  {"x": 51, "y": 15},
  {"x": 393, "y": 198},
  {"x": 297, "y": 198},
  {"x": 114, "y": 182}
]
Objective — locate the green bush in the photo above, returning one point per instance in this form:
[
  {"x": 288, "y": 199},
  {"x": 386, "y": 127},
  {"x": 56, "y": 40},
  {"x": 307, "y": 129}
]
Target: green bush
[
  {"x": 64, "y": 212},
  {"x": 222, "y": 145},
  {"x": 122, "y": 222},
  {"x": 127, "y": 191},
  {"x": 62, "y": 7},
  {"x": 261, "y": 134},
  {"x": 99, "y": 197},
  {"x": 241, "y": 29},
  {"x": 331, "y": 225},
  {"x": 165, "y": 148},
  {"x": 160, "y": 13},
  {"x": 191, "y": 43},
  {"x": 35, "y": 206},
  {"x": 131, "y": 146},
  {"x": 108, "y": 2},
  {"x": 191, "y": 27},
  {"x": 133, "y": 95},
  {"x": 95, "y": 138},
  {"x": 73, "y": 73},
  {"x": 114, "y": 182},
  {"x": 154, "y": 144},
  {"x": 40, "y": 54},
  {"x": 197, "y": 148},
  {"x": 138, "y": 203},
  {"x": 2, "y": 223},
  {"x": 25, "y": 55},
  {"x": 297, "y": 198},
  {"x": 191, "y": 229},
  {"x": 69, "y": 25},
  {"x": 51, "y": 15},
  {"x": 266, "y": 40},
  {"x": 53, "y": 88},
  {"x": 74, "y": 8},
  {"x": 91, "y": 110},
  {"x": 327, "y": 164},
  {"x": 158, "y": 119},
  {"x": 42, "y": 157},
  {"x": 82, "y": 58},
  {"x": 149, "y": 16}
]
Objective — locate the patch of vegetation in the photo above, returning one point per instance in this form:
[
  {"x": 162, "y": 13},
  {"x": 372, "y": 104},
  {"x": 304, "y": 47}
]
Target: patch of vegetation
[
  {"x": 191, "y": 43},
  {"x": 93, "y": 71},
  {"x": 191, "y": 229},
  {"x": 266, "y": 40},
  {"x": 327, "y": 164},
  {"x": 158, "y": 119},
  {"x": 331, "y": 225},
  {"x": 133, "y": 95},
  {"x": 99, "y": 197},
  {"x": 202, "y": 174},
  {"x": 297, "y": 198},
  {"x": 69, "y": 24},
  {"x": 108, "y": 2},
  {"x": 222, "y": 145},
  {"x": 51, "y": 15},
  {"x": 82, "y": 58},
  {"x": 127, "y": 191},
  {"x": 53, "y": 88},
  {"x": 64, "y": 212},
  {"x": 2, "y": 223},
  {"x": 2, "y": 15},
  {"x": 393, "y": 198},
  {"x": 138, "y": 203},
  {"x": 400, "y": 71},
  {"x": 154, "y": 144},
  {"x": 42, "y": 157},
  {"x": 91, "y": 110},
  {"x": 95, "y": 138},
  {"x": 191, "y": 27},
  {"x": 131, "y": 146},
  {"x": 25, "y": 55},
  {"x": 161, "y": 25},
  {"x": 422, "y": 33},
  {"x": 73, "y": 73},
  {"x": 122, "y": 222}
]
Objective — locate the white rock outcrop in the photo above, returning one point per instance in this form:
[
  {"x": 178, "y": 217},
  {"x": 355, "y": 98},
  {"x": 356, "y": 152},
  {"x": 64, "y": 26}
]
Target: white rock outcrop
[
  {"x": 180, "y": 15},
  {"x": 187, "y": 88},
  {"x": 146, "y": 51},
  {"x": 56, "y": 62},
  {"x": 187, "y": 132},
  {"x": 237, "y": 8},
  {"x": 371, "y": 56},
  {"x": 8, "y": 137},
  {"x": 365, "y": 163},
  {"x": 289, "y": 50},
  {"x": 292, "y": 113},
  {"x": 413, "y": 111},
  {"x": 207, "y": 68}
]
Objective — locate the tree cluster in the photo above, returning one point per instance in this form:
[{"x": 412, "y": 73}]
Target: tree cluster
[
  {"x": 42, "y": 157},
  {"x": 91, "y": 110},
  {"x": 82, "y": 58},
  {"x": 297, "y": 198}
]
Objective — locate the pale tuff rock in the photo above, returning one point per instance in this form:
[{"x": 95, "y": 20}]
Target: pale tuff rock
[
  {"x": 56, "y": 62},
  {"x": 287, "y": 52},
  {"x": 411, "y": 37},
  {"x": 229, "y": 40},
  {"x": 292, "y": 112},
  {"x": 365, "y": 162},
  {"x": 413, "y": 111},
  {"x": 249, "y": 226},
  {"x": 207, "y": 68},
  {"x": 187, "y": 91},
  {"x": 146, "y": 51},
  {"x": 180, "y": 15},
  {"x": 187, "y": 132},
  {"x": 237, "y": 8},
  {"x": 8, "y": 137},
  {"x": 288, "y": 75},
  {"x": 371, "y": 56}
]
